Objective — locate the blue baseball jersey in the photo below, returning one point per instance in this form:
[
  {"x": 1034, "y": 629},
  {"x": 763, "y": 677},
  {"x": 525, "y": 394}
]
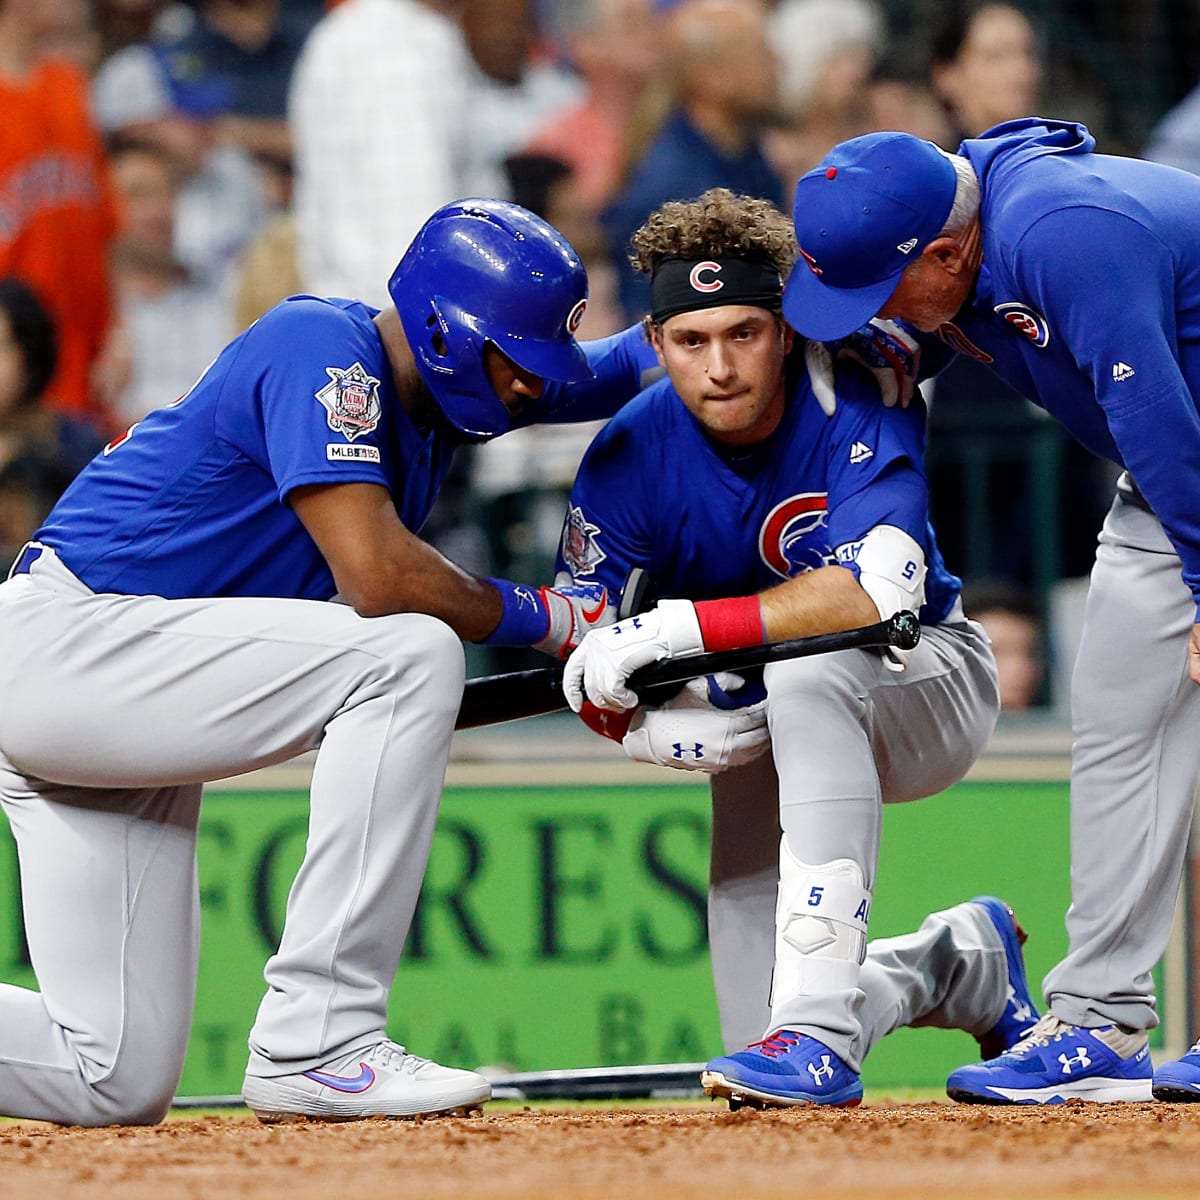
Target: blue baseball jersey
[
  {"x": 706, "y": 521},
  {"x": 1088, "y": 302},
  {"x": 192, "y": 501}
]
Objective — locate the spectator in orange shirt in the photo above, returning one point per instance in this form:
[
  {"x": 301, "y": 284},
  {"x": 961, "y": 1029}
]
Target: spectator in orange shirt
[{"x": 56, "y": 217}]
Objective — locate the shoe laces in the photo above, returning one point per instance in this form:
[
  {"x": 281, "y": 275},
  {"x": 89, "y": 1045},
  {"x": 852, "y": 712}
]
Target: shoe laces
[
  {"x": 780, "y": 1042},
  {"x": 385, "y": 1054},
  {"x": 1048, "y": 1029}
]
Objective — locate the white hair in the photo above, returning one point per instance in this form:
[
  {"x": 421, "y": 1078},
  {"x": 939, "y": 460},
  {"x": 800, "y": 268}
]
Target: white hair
[
  {"x": 806, "y": 34},
  {"x": 965, "y": 208}
]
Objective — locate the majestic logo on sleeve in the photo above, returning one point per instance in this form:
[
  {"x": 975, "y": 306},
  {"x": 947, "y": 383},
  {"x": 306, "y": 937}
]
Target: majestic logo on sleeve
[
  {"x": 795, "y": 536},
  {"x": 1027, "y": 321},
  {"x": 579, "y": 546},
  {"x": 700, "y": 277},
  {"x": 351, "y": 398}
]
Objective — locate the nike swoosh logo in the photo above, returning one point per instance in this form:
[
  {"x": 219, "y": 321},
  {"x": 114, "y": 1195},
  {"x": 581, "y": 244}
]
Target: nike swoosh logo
[
  {"x": 591, "y": 616},
  {"x": 345, "y": 1083}
]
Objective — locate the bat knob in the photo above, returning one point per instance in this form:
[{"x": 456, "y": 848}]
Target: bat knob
[{"x": 905, "y": 632}]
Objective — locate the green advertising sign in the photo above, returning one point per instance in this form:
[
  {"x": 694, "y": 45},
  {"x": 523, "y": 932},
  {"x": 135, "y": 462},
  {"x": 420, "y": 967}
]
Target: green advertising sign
[{"x": 565, "y": 926}]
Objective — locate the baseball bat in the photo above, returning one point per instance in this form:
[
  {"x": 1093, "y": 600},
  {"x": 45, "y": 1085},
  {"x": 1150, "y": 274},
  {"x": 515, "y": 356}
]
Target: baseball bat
[{"x": 492, "y": 699}]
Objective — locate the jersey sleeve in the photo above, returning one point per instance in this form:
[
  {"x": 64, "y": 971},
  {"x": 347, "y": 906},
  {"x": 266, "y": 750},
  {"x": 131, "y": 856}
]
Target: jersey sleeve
[
  {"x": 317, "y": 380},
  {"x": 876, "y": 472},
  {"x": 936, "y": 354},
  {"x": 619, "y": 363},
  {"x": 1115, "y": 310},
  {"x": 608, "y": 529}
]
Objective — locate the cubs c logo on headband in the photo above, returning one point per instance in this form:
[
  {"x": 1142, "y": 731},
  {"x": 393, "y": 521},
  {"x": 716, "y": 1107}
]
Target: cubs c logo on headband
[
  {"x": 576, "y": 315},
  {"x": 1026, "y": 320},
  {"x": 705, "y": 285},
  {"x": 795, "y": 537}
]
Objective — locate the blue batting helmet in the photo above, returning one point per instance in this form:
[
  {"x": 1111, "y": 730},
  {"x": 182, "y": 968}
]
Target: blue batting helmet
[{"x": 489, "y": 271}]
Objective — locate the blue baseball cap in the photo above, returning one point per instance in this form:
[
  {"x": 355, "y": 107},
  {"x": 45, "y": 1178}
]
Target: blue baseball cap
[{"x": 862, "y": 216}]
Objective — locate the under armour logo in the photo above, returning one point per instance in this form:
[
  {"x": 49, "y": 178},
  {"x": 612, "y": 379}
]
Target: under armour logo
[
  {"x": 696, "y": 751},
  {"x": 635, "y": 623},
  {"x": 1020, "y": 1010},
  {"x": 1078, "y": 1059},
  {"x": 823, "y": 1072}
]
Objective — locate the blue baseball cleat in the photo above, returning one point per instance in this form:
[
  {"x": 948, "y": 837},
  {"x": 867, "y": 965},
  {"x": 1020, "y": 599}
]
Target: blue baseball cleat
[
  {"x": 1056, "y": 1062},
  {"x": 1179, "y": 1081},
  {"x": 784, "y": 1069},
  {"x": 1020, "y": 1012}
]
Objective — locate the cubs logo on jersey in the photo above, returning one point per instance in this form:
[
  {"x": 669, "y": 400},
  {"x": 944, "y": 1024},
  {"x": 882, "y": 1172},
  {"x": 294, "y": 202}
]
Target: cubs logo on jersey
[
  {"x": 794, "y": 537},
  {"x": 1026, "y": 321},
  {"x": 579, "y": 547},
  {"x": 351, "y": 399}
]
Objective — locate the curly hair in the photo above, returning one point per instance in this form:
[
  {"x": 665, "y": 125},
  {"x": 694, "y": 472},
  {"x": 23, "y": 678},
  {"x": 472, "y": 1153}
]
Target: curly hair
[{"x": 718, "y": 224}]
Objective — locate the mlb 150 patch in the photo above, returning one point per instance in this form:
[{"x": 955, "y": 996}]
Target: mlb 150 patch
[{"x": 341, "y": 452}]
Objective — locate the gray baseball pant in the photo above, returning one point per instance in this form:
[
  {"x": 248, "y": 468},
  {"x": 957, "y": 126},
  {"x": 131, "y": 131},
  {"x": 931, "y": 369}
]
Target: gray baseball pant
[
  {"x": 114, "y": 710},
  {"x": 848, "y": 735},
  {"x": 1136, "y": 721}
]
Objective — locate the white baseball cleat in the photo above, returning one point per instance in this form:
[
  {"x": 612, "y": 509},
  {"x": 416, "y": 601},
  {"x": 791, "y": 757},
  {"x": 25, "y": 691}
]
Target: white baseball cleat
[{"x": 380, "y": 1080}]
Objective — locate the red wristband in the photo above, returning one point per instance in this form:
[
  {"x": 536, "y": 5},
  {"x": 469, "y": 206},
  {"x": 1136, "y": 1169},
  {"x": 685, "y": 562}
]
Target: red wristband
[{"x": 731, "y": 624}]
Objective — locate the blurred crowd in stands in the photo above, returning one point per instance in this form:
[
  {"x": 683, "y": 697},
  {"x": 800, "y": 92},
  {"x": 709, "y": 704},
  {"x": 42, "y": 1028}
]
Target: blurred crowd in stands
[{"x": 169, "y": 170}]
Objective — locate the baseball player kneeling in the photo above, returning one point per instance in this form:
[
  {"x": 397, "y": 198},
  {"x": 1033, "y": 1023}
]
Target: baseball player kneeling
[
  {"x": 761, "y": 507},
  {"x": 171, "y": 624}
]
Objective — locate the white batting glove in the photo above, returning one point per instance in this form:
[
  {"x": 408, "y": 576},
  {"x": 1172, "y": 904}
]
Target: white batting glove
[
  {"x": 574, "y": 608},
  {"x": 605, "y": 659},
  {"x": 885, "y": 348},
  {"x": 689, "y": 733}
]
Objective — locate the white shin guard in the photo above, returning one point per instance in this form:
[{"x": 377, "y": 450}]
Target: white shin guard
[{"x": 820, "y": 927}]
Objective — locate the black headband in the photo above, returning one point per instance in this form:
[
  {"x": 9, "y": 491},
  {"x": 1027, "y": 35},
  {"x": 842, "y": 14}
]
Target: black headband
[{"x": 678, "y": 285}]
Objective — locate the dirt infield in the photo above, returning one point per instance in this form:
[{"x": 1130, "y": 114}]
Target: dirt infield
[{"x": 880, "y": 1150}]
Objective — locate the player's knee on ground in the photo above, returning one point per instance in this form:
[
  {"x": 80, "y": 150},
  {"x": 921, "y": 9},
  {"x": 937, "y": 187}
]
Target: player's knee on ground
[{"x": 136, "y": 1095}]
